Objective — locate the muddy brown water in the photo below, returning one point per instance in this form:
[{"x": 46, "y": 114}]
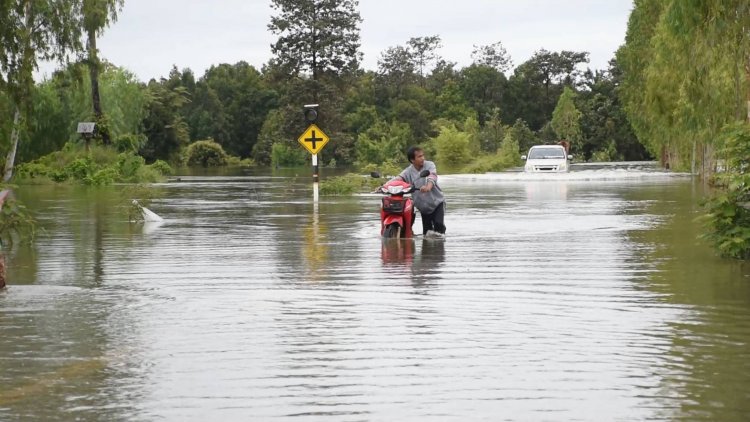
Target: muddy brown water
[{"x": 579, "y": 297}]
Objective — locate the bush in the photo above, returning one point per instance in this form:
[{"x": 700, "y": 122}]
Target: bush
[
  {"x": 162, "y": 167},
  {"x": 284, "y": 156},
  {"x": 728, "y": 218},
  {"x": 237, "y": 161},
  {"x": 16, "y": 222},
  {"x": 348, "y": 184},
  {"x": 33, "y": 170},
  {"x": 99, "y": 166},
  {"x": 453, "y": 147},
  {"x": 608, "y": 153},
  {"x": 103, "y": 177},
  {"x": 128, "y": 165},
  {"x": 486, "y": 163},
  {"x": 129, "y": 143},
  {"x": 80, "y": 168},
  {"x": 206, "y": 153}
]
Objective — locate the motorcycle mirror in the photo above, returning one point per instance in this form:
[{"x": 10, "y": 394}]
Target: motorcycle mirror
[
  {"x": 424, "y": 173},
  {"x": 375, "y": 175}
]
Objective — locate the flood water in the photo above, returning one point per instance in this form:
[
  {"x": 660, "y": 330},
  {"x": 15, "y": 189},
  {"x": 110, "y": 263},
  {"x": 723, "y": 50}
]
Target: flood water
[{"x": 584, "y": 296}]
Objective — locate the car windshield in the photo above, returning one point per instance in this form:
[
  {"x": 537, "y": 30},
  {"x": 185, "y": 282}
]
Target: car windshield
[{"x": 538, "y": 153}]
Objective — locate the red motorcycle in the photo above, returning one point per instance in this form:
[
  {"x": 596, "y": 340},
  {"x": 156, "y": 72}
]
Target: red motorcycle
[{"x": 397, "y": 208}]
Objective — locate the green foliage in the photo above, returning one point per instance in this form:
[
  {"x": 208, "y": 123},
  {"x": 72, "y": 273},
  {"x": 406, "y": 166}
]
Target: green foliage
[
  {"x": 609, "y": 153},
  {"x": 162, "y": 167},
  {"x": 603, "y": 118},
  {"x": 566, "y": 119},
  {"x": 728, "y": 217},
  {"x": 128, "y": 166},
  {"x": 383, "y": 142},
  {"x": 98, "y": 167},
  {"x": 81, "y": 169},
  {"x": 493, "y": 56},
  {"x": 316, "y": 36},
  {"x": 348, "y": 184},
  {"x": 284, "y": 156},
  {"x": 164, "y": 126},
  {"x": 16, "y": 223},
  {"x": 280, "y": 128},
  {"x": 492, "y": 133},
  {"x": 484, "y": 164},
  {"x": 62, "y": 101},
  {"x": 537, "y": 83},
  {"x": 206, "y": 154},
  {"x": 521, "y": 132},
  {"x": 507, "y": 156},
  {"x": 452, "y": 105},
  {"x": 483, "y": 86},
  {"x": 129, "y": 142},
  {"x": 453, "y": 147},
  {"x": 674, "y": 101},
  {"x": 510, "y": 153},
  {"x": 228, "y": 104}
]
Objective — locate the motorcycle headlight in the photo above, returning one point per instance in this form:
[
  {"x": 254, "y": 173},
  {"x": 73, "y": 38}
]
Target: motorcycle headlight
[{"x": 393, "y": 190}]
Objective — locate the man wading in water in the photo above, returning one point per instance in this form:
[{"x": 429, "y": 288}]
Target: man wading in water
[{"x": 429, "y": 199}]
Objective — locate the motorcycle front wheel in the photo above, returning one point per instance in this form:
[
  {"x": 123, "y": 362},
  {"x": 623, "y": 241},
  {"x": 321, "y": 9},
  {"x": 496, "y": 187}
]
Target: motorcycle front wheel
[{"x": 392, "y": 231}]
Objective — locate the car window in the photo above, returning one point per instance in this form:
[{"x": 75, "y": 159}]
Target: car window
[{"x": 538, "y": 153}]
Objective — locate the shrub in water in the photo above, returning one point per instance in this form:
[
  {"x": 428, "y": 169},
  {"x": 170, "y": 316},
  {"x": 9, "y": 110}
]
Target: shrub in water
[
  {"x": 728, "y": 218},
  {"x": 206, "y": 153},
  {"x": 162, "y": 167}
]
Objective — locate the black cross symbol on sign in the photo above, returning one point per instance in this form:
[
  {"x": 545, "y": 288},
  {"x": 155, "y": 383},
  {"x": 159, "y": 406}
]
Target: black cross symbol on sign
[{"x": 313, "y": 139}]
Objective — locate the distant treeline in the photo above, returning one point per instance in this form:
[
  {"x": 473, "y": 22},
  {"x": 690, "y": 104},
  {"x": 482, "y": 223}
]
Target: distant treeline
[{"x": 461, "y": 115}]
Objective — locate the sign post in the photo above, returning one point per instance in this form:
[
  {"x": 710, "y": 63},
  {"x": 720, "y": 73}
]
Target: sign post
[
  {"x": 313, "y": 139},
  {"x": 87, "y": 130}
]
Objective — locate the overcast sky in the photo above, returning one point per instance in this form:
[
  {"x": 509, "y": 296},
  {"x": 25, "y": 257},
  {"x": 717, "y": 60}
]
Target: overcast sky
[{"x": 150, "y": 36}]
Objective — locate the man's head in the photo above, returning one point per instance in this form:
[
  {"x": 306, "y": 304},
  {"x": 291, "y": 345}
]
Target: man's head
[{"x": 415, "y": 155}]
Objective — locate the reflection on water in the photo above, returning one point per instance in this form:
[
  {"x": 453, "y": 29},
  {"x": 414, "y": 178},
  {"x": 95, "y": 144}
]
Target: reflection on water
[{"x": 583, "y": 297}]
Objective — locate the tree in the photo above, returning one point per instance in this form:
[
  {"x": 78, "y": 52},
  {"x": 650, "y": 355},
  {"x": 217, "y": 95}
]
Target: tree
[
  {"x": 677, "y": 104},
  {"x": 31, "y": 30},
  {"x": 65, "y": 99},
  {"x": 396, "y": 71},
  {"x": 229, "y": 104},
  {"x": 523, "y": 135},
  {"x": 453, "y": 147},
  {"x": 423, "y": 50},
  {"x": 383, "y": 142},
  {"x": 97, "y": 14},
  {"x": 493, "y": 132},
  {"x": 493, "y": 55},
  {"x": 566, "y": 119},
  {"x": 483, "y": 87},
  {"x": 316, "y": 36},
  {"x": 603, "y": 117},
  {"x": 550, "y": 68},
  {"x": 509, "y": 152},
  {"x": 164, "y": 126}
]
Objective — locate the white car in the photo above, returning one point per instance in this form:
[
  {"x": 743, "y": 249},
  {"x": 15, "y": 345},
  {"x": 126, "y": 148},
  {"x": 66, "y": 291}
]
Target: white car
[{"x": 547, "y": 159}]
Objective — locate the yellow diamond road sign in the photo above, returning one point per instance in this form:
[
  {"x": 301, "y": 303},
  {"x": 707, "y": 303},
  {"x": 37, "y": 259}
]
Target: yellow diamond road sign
[{"x": 313, "y": 139}]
